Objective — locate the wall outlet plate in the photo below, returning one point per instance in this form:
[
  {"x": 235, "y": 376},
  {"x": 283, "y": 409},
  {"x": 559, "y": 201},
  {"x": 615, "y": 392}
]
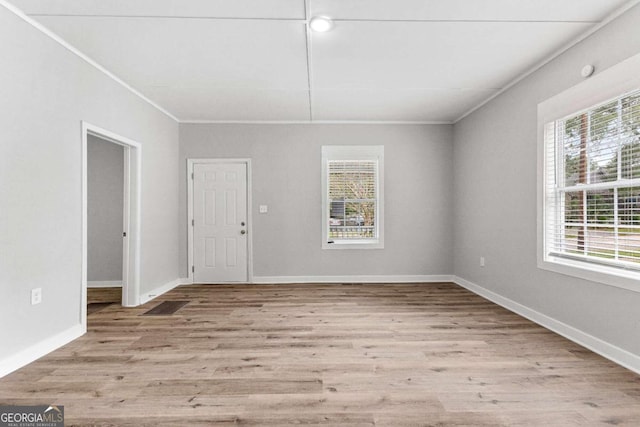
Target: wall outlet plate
[
  {"x": 264, "y": 209},
  {"x": 36, "y": 296}
]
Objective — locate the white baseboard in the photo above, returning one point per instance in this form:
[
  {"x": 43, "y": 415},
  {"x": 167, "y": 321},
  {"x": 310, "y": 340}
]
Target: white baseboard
[
  {"x": 104, "y": 284},
  {"x": 615, "y": 354},
  {"x": 36, "y": 351},
  {"x": 185, "y": 281},
  {"x": 146, "y": 297},
  {"x": 353, "y": 279}
]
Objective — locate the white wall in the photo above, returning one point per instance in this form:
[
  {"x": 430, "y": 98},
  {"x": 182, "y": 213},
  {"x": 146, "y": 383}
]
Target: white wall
[
  {"x": 45, "y": 93},
  {"x": 105, "y": 200},
  {"x": 495, "y": 197},
  {"x": 286, "y": 177}
]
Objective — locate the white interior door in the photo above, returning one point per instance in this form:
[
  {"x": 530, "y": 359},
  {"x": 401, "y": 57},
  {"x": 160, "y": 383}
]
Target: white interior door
[{"x": 220, "y": 222}]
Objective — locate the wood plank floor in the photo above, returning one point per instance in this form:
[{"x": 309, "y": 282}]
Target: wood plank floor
[
  {"x": 343, "y": 355},
  {"x": 103, "y": 295}
]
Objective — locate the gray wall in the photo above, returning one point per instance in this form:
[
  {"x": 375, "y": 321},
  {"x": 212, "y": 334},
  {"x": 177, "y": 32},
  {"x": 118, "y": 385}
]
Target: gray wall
[
  {"x": 45, "y": 92},
  {"x": 495, "y": 197},
  {"x": 105, "y": 205},
  {"x": 286, "y": 177}
]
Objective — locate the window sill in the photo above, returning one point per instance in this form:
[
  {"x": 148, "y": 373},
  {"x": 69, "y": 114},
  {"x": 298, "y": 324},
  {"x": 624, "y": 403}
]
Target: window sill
[
  {"x": 611, "y": 276},
  {"x": 354, "y": 244}
]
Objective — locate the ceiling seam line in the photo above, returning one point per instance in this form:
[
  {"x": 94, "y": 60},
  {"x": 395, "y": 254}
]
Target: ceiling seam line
[
  {"x": 481, "y": 21},
  {"x": 232, "y": 18},
  {"x": 212, "y": 18},
  {"x": 308, "y": 51}
]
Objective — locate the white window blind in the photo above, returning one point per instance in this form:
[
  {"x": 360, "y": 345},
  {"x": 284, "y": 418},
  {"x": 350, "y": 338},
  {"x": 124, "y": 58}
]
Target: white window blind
[
  {"x": 352, "y": 199},
  {"x": 592, "y": 184}
]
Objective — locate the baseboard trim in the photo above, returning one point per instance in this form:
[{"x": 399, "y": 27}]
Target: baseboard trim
[
  {"x": 146, "y": 297},
  {"x": 36, "y": 351},
  {"x": 615, "y": 354},
  {"x": 353, "y": 279},
  {"x": 104, "y": 284}
]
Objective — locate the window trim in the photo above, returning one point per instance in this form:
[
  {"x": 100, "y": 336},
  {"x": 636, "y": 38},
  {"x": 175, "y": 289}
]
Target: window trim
[
  {"x": 353, "y": 152},
  {"x": 611, "y": 83}
]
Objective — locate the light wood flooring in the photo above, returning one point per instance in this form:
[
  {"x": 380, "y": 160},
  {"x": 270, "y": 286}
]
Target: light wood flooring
[
  {"x": 343, "y": 355},
  {"x": 104, "y": 295},
  {"x": 100, "y": 298}
]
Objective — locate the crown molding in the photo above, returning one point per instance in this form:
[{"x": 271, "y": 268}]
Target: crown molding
[{"x": 311, "y": 122}]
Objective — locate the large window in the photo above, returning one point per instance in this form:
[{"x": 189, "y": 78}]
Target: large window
[
  {"x": 352, "y": 196},
  {"x": 592, "y": 186}
]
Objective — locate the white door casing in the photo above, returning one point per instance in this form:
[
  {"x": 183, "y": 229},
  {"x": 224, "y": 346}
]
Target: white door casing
[
  {"x": 220, "y": 222},
  {"x": 132, "y": 216}
]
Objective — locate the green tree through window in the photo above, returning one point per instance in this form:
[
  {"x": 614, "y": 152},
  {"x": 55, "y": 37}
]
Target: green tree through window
[{"x": 599, "y": 196}]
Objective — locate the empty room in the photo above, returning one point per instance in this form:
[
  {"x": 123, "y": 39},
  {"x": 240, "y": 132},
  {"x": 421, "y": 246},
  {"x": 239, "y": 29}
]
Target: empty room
[{"x": 320, "y": 212}]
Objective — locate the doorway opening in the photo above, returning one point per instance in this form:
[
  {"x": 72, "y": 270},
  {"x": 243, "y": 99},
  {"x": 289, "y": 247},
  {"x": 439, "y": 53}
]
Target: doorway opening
[
  {"x": 105, "y": 223},
  {"x": 100, "y": 257}
]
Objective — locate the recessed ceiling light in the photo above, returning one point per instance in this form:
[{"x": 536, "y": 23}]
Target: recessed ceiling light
[{"x": 321, "y": 24}]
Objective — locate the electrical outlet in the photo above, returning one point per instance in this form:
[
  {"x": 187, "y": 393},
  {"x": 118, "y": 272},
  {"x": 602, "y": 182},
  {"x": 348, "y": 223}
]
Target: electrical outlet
[
  {"x": 36, "y": 296},
  {"x": 481, "y": 261},
  {"x": 264, "y": 209}
]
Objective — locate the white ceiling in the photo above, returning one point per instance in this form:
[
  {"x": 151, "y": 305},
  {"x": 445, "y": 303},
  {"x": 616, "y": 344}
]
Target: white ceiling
[{"x": 255, "y": 60}]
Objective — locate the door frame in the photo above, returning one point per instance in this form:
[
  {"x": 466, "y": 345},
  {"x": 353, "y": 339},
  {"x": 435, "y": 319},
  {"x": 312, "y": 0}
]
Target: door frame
[
  {"x": 190, "y": 253},
  {"x": 132, "y": 221}
]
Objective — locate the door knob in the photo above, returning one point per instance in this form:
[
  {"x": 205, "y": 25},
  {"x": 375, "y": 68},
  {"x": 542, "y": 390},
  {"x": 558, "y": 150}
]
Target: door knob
[{"x": 243, "y": 232}]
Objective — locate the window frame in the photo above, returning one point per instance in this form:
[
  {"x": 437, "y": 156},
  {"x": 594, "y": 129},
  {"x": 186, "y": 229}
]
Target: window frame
[
  {"x": 612, "y": 83},
  {"x": 346, "y": 153}
]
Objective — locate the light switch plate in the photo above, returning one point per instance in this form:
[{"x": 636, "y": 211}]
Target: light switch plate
[{"x": 36, "y": 296}]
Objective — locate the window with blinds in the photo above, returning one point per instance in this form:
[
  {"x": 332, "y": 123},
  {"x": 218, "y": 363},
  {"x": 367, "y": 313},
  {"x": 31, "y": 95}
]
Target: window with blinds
[
  {"x": 352, "y": 196},
  {"x": 592, "y": 185}
]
